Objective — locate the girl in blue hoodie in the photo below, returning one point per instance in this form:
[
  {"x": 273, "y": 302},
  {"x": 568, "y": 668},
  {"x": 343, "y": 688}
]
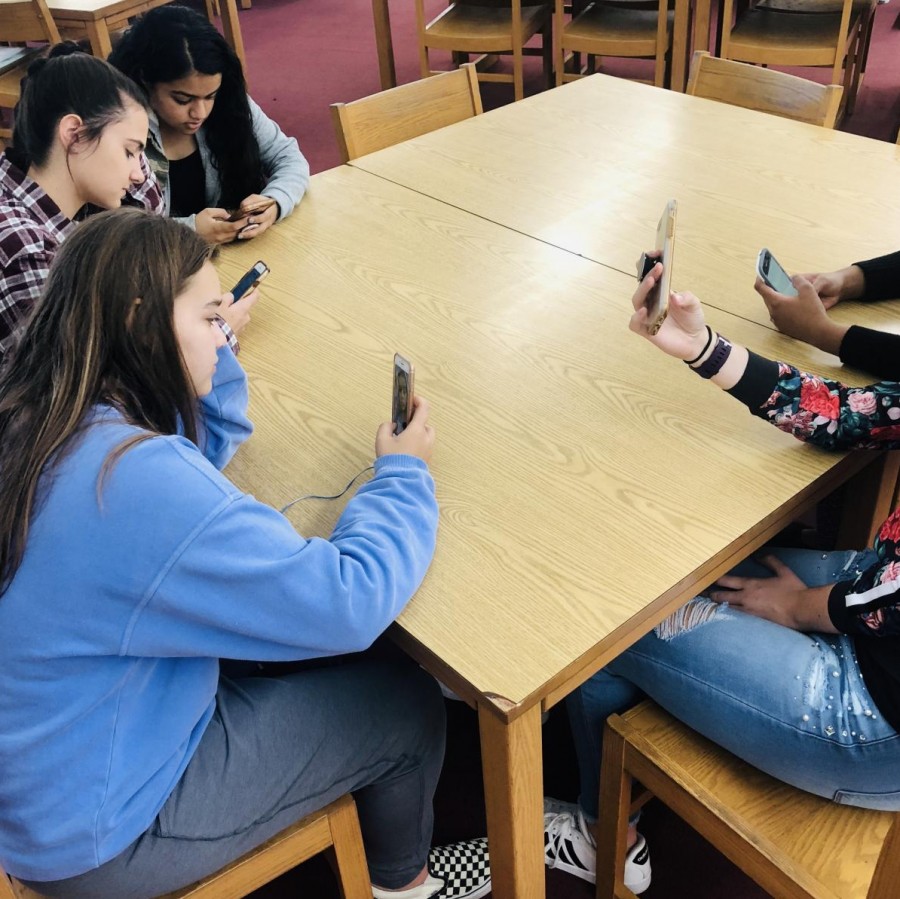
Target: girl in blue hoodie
[{"x": 130, "y": 565}]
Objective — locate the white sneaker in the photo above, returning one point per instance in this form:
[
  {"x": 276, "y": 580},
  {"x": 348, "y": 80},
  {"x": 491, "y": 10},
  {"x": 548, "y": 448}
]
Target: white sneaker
[{"x": 569, "y": 846}]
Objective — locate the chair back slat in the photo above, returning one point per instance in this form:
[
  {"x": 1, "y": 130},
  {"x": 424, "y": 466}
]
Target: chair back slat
[
  {"x": 765, "y": 90},
  {"x": 389, "y": 117}
]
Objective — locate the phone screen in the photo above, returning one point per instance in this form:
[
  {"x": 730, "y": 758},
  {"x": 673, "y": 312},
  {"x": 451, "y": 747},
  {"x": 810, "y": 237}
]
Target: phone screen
[
  {"x": 658, "y": 298},
  {"x": 402, "y": 398},
  {"x": 773, "y": 274},
  {"x": 250, "y": 280}
]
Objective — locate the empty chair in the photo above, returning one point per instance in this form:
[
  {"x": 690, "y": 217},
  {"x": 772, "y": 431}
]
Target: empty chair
[
  {"x": 486, "y": 27},
  {"x": 793, "y": 844},
  {"x": 765, "y": 90},
  {"x": 336, "y": 827},
  {"x": 766, "y": 35},
  {"x": 389, "y": 117},
  {"x": 629, "y": 29}
]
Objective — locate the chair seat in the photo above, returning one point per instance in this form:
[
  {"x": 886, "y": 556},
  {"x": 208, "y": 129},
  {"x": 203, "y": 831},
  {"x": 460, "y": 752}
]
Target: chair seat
[
  {"x": 603, "y": 30},
  {"x": 829, "y": 849},
  {"x": 786, "y": 38},
  {"x": 483, "y": 29},
  {"x": 10, "y": 81}
]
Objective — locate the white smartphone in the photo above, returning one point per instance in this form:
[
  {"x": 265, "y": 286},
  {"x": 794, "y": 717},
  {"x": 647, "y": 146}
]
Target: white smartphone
[
  {"x": 402, "y": 393},
  {"x": 658, "y": 299},
  {"x": 769, "y": 269}
]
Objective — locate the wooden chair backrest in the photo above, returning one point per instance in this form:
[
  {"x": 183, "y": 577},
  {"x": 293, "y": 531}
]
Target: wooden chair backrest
[
  {"x": 389, "y": 117},
  {"x": 766, "y": 90},
  {"x": 27, "y": 20},
  {"x": 776, "y": 833}
]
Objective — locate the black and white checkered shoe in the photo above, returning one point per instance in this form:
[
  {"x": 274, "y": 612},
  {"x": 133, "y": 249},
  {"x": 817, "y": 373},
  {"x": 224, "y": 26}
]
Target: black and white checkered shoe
[{"x": 464, "y": 867}]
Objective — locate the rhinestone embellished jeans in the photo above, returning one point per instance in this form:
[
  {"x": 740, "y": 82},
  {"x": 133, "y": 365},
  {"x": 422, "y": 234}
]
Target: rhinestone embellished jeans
[{"x": 789, "y": 703}]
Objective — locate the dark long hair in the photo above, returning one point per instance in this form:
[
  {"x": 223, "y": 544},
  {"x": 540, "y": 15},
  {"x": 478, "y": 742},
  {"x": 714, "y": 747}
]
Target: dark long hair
[
  {"x": 102, "y": 333},
  {"x": 172, "y": 42},
  {"x": 66, "y": 82}
]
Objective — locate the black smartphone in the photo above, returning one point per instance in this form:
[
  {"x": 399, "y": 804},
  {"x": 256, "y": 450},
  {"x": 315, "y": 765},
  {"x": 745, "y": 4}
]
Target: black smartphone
[
  {"x": 250, "y": 280},
  {"x": 769, "y": 269},
  {"x": 242, "y": 212},
  {"x": 402, "y": 394}
]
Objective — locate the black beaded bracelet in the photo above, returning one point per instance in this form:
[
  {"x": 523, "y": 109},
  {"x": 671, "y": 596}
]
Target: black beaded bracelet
[
  {"x": 717, "y": 359},
  {"x": 699, "y": 356}
]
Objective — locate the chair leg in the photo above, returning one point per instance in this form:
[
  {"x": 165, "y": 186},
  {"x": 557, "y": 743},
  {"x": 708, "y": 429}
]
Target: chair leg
[
  {"x": 615, "y": 806},
  {"x": 547, "y": 52},
  {"x": 353, "y": 873},
  {"x": 518, "y": 74}
]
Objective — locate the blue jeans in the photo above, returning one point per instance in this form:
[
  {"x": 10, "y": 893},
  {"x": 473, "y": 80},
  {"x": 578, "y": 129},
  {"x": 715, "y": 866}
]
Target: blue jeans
[{"x": 789, "y": 703}]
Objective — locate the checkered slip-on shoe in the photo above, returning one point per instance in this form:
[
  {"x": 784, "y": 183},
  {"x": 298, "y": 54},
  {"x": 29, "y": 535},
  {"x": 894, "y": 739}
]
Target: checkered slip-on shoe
[{"x": 464, "y": 867}]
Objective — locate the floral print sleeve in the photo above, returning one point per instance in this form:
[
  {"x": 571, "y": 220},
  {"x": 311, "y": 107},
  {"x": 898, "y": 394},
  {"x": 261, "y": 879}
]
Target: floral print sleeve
[
  {"x": 830, "y": 414},
  {"x": 833, "y": 416}
]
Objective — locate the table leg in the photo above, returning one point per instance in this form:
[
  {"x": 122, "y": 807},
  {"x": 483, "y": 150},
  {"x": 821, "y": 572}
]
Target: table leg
[
  {"x": 513, "y": 791},
  {"x": 869, "y": 497},
  {"x": 98, "y": 35},
  {"x": 680, "y": 45},
  {"x": 232, "y": 28},
  {"x": 384, "y": 44}
]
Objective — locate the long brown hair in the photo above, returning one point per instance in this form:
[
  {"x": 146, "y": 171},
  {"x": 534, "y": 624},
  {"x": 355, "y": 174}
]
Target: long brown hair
[{"x": 102, "y": 333}]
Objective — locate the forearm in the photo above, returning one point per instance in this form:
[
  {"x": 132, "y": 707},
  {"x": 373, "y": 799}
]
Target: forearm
[{"x": 875, "y": 279}]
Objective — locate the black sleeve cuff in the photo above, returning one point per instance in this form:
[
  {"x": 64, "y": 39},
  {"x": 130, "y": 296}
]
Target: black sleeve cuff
[
  {"x": 757, "y": 383},
  {"x": 874, "y": 351},
  {"x": 882, "y": 276},
  {"x": 837, "y": 607}
]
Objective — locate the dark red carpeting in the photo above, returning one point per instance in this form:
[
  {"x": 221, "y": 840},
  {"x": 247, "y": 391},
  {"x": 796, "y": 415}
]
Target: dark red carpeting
[{"x": 303, "y": 55}]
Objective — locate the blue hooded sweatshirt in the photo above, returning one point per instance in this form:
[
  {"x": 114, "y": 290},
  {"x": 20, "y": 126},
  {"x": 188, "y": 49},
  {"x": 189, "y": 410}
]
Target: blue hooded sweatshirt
[{"x": 115, "y": 621}]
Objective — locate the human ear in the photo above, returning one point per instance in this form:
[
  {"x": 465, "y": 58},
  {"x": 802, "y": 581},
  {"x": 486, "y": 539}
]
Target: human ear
[{"x": 69, "y": 130}]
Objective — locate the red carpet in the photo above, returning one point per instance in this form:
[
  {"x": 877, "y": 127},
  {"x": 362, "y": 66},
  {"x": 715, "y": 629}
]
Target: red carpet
[{"x": 303, "y": 55}]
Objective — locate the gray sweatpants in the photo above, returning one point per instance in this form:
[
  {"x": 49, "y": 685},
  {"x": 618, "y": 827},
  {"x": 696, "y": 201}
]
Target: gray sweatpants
[{"x": 278, "y": 748}]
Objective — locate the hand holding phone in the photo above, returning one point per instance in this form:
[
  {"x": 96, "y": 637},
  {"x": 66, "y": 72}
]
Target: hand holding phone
[
  {"x": 658, "y": 298},
  {"x": 250, "y": 280},
  {"x": 768, "y": 268},
  {"x": 402, "y": 393},
  {"x": 243, "y": 212}
]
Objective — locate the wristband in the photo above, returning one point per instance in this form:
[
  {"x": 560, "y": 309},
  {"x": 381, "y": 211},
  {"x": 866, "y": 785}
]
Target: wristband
[
  {"x": 700, "y": 355},
  {"x": 717, "y": 359}
]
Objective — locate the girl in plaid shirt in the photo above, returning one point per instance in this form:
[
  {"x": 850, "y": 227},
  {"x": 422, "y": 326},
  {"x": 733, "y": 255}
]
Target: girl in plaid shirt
[{"x": 78, "y": 144}]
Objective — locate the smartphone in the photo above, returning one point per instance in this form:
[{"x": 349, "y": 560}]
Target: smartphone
[
  {"x": 404, "y": 385},
  {"x": 250, "y": 280},
  {"x": 658, "y": 299},
  {"x": 241, "y": 212},
  {"x": 773, "y": 274}
]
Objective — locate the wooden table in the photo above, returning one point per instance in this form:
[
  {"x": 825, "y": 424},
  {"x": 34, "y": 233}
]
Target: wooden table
[
  {"x": 96, "y": 18},
  {"x": 588, "y": 484},
  {"x": 589, "y": 166}
]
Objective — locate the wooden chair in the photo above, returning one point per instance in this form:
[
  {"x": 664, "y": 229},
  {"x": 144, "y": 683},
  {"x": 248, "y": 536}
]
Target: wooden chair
[
  {"x": 764, "y": 89},
  {"x": 404, "y": 112},
  {"x": 488, "y": 27},
  {"x": 335, "y": 827},
  {"x": 864, "y": 13},
  {"x": 793, "y": 844},
  {"x": 631, "y": 29},
  {"x": 781, "y": 37},
  {"x": 21, "y": 21}
]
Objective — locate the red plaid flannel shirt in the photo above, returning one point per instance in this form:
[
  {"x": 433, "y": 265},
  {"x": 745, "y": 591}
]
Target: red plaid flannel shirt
[{"x": 32, "y": 227}]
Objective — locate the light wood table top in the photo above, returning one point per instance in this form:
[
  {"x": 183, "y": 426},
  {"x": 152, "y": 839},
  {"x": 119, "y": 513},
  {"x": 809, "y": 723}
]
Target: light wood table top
[
  {"x": 589, "y": 166},
  {"x": 588, "y": 485},
  {"x": 96, "y": 18}
]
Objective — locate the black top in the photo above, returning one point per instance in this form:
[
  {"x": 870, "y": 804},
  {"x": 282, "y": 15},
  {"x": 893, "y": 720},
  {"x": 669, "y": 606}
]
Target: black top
[
  {"x": 187, "y": 183},
  {"x": 876, "y": 351}
]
